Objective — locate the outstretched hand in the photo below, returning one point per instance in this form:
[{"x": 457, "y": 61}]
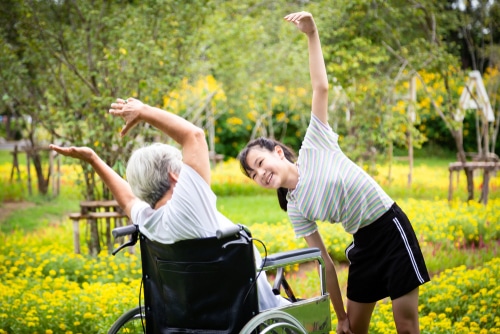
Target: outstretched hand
[
  {"x": 82, "y": 153},
  {"x": 303, "y": 21},
  {"x": 129, "y": 110}
]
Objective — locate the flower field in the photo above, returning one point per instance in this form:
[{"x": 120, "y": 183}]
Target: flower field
[{"x": 46, "y": 288}]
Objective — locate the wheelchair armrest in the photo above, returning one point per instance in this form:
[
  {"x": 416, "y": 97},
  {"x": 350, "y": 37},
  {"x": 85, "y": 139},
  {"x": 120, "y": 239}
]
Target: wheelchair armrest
[
  {"x": 283, "y": 259},
  {"x": 295, "y": 256}
]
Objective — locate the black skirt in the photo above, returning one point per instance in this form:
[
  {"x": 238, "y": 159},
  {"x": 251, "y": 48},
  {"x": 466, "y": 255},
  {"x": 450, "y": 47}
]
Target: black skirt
[{"x": 385, "y": 259}]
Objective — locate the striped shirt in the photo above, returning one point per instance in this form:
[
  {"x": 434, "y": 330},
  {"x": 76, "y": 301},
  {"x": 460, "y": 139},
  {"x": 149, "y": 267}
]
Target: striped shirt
[{"x": 331, "y": 187}]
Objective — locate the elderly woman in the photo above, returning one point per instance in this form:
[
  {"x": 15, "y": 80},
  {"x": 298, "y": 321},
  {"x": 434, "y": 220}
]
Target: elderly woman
[{"x": 168, "y": 194}]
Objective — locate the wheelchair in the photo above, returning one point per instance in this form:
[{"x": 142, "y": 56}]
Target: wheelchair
[{"x": 208, "y": 286}]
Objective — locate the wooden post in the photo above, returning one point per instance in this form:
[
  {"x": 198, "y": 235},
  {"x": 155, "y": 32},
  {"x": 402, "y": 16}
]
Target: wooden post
[
  {"x": 109, "y": 243},
  {"x": 28, "y": 163},
  {"x": 94, "y": 244},
  {"x": 486, "y": 186},
  {"x": 76, "y": 236},
  {"x": 15, "y": 165},
  {"x": 486, "y": 174},
  {"x": 51, "y": 171},
  {"x": 75, "y": 217},
  {"x": 450, "y": 186},
  {"x": 57, "y": 179},
  {"x": 411, "y": 119}
]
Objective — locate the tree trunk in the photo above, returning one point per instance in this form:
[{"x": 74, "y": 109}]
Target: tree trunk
[
  {"x": 43, "y": 183},
  {"x": 35, "y": 156},
  {"x": 485, "y": 189}
]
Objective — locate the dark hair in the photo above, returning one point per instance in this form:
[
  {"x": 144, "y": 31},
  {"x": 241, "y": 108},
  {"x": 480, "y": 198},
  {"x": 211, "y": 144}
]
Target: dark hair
[{"x": 268, "y": 144}]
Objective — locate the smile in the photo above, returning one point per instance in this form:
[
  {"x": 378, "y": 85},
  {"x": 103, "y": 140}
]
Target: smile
[{"x": 269, "y": 177}]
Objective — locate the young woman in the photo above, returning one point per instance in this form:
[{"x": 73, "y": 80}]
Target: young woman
[{"x": 323, "y": 184}]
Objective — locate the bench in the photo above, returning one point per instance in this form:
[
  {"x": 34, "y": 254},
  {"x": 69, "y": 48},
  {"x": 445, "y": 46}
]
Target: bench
[
  {"x": 488, "y": 167},
  {"x": 478, "y": 157},
  {"x": 93, "y": 219},
  {"x": 215, "y": 158}
]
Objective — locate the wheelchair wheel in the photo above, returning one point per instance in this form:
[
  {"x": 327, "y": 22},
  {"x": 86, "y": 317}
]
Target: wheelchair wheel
[
  {"x": 273, "y": 322},
  {"x": 129, "y": 322}
]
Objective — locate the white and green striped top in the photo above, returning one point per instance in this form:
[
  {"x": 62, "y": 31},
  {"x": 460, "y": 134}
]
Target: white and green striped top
[{"x": 331, "y": 187}]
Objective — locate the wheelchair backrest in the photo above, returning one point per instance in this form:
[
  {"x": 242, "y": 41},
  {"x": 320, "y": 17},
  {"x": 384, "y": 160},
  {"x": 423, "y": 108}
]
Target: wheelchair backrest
[{"x": 199, "y": 286}]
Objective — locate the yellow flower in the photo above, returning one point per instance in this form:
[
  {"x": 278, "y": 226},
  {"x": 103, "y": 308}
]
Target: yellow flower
[{"x": 234, "y": 121}]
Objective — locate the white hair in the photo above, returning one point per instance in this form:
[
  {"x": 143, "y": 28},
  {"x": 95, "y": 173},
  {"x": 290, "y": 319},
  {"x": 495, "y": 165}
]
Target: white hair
[{"x": 148, "y": 171}]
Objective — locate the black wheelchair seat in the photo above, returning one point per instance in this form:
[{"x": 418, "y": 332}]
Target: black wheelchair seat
[{"x": 194, "y": 285}]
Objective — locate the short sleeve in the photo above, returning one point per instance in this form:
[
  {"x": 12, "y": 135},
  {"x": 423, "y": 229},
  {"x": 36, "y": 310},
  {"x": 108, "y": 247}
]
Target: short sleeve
[
  {"x": 320, "y": 136},
  {"x": 301, "y": 226}
]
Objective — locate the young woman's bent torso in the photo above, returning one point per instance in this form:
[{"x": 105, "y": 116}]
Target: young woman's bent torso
[{"x": 331, "y": 187}]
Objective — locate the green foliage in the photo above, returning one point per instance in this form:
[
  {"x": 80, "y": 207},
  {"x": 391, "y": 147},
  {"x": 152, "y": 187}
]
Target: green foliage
[
  {"x": 67, "y": 61},
  {"x": 83, "y": 55}
]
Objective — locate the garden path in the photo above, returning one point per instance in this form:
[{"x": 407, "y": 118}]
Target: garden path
[{"x": 6, "y": 208}]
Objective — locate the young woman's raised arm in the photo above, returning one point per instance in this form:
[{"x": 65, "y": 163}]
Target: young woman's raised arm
[
  {"x": 319, "y": 80},
  {"x": 189, "y": 136}
]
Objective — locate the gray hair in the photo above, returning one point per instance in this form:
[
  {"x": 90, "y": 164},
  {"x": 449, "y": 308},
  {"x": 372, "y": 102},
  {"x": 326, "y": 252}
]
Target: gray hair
[{"x": 148, "y": 169}]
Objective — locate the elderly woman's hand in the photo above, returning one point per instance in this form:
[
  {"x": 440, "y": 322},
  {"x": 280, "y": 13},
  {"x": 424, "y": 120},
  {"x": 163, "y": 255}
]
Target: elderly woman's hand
[
  {"x": 82, "y": 153},
  {"x": 129, "y": 110}
]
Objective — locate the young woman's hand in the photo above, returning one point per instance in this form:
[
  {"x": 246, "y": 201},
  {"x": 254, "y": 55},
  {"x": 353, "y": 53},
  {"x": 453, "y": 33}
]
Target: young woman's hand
[
  {"x": 303, "y": 21},
  {"x": 82, "y": 153},
  {"x": 129, "y": 110},
  {"x": 343, "y": 327}
]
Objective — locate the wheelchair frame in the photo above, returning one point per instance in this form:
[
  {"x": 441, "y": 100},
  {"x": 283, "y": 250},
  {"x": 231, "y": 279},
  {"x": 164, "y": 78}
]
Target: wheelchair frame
[{"x": 301, "y": 316}]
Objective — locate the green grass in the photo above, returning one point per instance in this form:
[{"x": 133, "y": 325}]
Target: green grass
[
  {"x": 42, "y": 213},
  {"x": 247, "y": 210},
  {"x": 431, "y": 150},
  {"x": 439, "y": 257},
  {"x": 6, "y": 157}
]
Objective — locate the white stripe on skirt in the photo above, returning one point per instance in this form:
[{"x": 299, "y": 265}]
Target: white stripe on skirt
[
  {"x": 347, "y": 251},
  {"x": 408, "y": 248}
]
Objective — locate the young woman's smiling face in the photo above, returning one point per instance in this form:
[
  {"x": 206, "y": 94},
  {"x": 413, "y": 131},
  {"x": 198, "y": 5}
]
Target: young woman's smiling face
[{"x": 267, "y": 167}]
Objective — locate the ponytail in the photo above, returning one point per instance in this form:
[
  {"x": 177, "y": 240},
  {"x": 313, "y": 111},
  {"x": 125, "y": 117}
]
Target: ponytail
[{"x": 282, "y": 192}]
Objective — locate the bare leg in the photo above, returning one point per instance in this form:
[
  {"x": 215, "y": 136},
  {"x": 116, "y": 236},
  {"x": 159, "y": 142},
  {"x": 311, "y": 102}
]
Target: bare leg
[
  {"x": 405, "y": 311},
  {"x": 359, "y": 316}
]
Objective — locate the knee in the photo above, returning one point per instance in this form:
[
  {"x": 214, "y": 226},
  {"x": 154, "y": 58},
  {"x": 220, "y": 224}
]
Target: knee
[{"x": 407, "y": 326}]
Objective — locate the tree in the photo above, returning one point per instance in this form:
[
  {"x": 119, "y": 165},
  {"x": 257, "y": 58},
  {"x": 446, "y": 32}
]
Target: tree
[
  {"x": 21, "y": 89},
  {"x": 76, "y": 57}
]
